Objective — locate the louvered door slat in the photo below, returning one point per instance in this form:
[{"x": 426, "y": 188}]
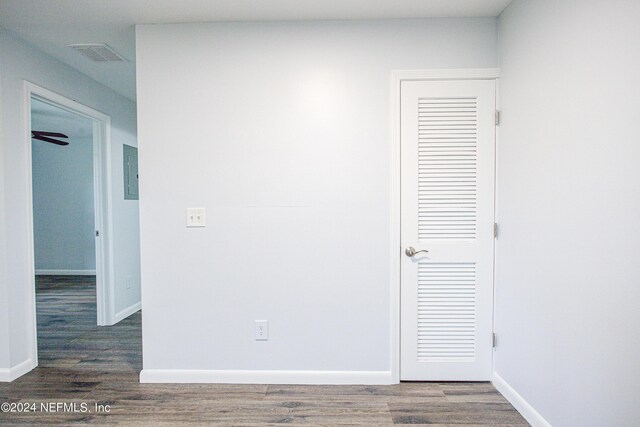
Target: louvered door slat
[
  {"x": 458, "y": 191},
  {"x": 444, "y": 338}
]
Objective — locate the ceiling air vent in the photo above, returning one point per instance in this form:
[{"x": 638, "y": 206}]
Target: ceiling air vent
[{"x": 98, "y": 52}]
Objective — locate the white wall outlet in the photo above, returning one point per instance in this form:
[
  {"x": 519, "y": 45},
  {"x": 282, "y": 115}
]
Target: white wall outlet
[
  {"x": 262, "y": 330},
  {"x": 195, "y": 217},
  {"x": 129, "y": 280}
]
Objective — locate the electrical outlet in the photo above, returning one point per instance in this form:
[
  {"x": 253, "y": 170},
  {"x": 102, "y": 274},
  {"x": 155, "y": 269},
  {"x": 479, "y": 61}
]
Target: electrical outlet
[
  {"x": 195, "y": 217},
  {"x": 262, "y": 330},
  {"x": 128, "y": 282}
]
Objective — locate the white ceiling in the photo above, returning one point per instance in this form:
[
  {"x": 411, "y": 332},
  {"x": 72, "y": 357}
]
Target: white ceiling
[{"x": 52, "y": 24}]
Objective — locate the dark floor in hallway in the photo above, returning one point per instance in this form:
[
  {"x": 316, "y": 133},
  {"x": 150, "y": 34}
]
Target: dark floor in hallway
[
  {"x": 82, "y": 363},
  {"x": 68, "y": 337}
]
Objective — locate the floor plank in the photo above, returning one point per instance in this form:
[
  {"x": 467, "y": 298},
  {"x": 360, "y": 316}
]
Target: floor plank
[{"x": 82, "y": 363}]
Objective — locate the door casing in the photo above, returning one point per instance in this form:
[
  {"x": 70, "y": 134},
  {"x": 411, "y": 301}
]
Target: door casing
[
  {"x": 397, "y": 77},
  {"x": 105, "y": 286}
]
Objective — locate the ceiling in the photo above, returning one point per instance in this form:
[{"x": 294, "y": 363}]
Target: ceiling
[
  {"x": 49, "y": 118},
  {"x": 52, "y": 24}
]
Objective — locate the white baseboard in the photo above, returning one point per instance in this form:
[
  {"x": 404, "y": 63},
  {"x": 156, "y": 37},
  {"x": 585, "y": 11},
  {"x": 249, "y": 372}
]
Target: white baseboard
[
  {"x": 123, "y": 314},
  {"x": 65, "y": 272},
  {"x": 264, "y": 377},
  {"x": 10, "y": 374},
  {"x": 526, "y": 410}
]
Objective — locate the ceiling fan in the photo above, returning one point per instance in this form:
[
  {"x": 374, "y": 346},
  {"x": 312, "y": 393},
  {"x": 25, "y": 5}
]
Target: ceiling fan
[{"x": 49, "y": 137}]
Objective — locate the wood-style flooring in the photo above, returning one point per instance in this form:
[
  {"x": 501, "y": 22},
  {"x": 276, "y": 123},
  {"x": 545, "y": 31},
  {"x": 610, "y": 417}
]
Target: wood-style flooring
[{"x": 82, "y": 363}]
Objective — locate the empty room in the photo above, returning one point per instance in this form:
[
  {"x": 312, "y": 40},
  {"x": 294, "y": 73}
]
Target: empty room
[{"x": 246, "y": 213}]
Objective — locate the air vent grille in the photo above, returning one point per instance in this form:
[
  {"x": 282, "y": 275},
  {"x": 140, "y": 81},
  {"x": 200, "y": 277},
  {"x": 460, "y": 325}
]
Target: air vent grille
[{"x": 98, "y": 52}]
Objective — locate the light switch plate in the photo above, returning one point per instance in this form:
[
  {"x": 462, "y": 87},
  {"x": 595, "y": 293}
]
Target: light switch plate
[{"x": 195, "y": 217}]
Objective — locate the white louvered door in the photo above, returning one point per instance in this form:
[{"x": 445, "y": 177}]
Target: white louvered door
[{"x": 447, "y": 208}]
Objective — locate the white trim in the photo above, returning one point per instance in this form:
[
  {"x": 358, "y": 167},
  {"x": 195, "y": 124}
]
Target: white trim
[
  {"x": 104, "y": 218},
  {"x": 496, "y": 221},
  {"x": 529, "y": 413},
  {"x": 265, "y": 377},
  {"x": 102, "y": 198},
  {"x": 394, "y": 214},
  {"x": 10, "y": 374},
  {"x": 123, "y": 314},
  {"x": 397, "y": 77},
  {"x": 447, "y": 74},
  {"x": 65, "y": 272}
]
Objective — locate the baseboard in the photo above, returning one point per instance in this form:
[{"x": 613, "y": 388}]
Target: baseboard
[
  {"x": 65, "y": 272},
  {"x": 264, "y": 377},
  {"x": 123, "y": 314},
  {"x": 10, "y": 374},
  {"x": 526, "y": 410}
]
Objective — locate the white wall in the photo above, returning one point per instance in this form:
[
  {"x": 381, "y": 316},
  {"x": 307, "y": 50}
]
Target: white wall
[
  {"x": 568, "y": 278},
  {"x": 20, "y": 61},
  {"x": 63, "y": 211},
  {"x": 281, "y": 130},
  {"x": 4, "y": 293}
]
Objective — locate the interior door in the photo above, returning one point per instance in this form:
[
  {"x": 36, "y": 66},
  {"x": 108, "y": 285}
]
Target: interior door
[{"x": 447, "y": 216}]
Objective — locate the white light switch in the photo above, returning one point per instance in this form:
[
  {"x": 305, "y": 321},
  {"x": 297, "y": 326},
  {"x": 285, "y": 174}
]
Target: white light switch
[{"x": 195, "y": 217}]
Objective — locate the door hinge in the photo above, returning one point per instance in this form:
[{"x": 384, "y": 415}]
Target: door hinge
[
  {"x": 97, "y": 233},
  {"x": 495, "y": 230},
  {"x": 494, "y": 343},
  {"x": 497, "y": 117}
]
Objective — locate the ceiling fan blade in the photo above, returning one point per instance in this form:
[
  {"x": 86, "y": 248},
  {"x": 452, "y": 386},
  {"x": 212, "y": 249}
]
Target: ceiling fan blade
[
  {"x": 42, "y": 133},
  {"x": 51, "y": 140}
]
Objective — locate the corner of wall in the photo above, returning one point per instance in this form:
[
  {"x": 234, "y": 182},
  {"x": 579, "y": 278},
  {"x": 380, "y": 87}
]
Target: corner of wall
[
  {"x": 526, "y": 410},
  {"x": 10, "y": 374},
  {"x": 5, "y": 356},
  {"x": 123, "y": 314}
]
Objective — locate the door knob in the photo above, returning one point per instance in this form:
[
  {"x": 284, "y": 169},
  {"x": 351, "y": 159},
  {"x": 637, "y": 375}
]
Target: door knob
[{"x": 411, "y": 251}]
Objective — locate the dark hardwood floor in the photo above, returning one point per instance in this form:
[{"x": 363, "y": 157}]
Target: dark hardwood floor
[{"x": 80, "y": 363}]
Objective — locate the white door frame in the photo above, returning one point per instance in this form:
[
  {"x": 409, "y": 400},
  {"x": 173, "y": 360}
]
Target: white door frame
[
  {"x": 105, "y": 294},
  {"x": 397, "y": 77}
]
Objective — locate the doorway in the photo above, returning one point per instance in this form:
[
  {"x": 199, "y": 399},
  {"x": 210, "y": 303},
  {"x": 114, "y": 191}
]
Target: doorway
[
  {"x": 63, "y": 193},
  {"x": 446, "y": 135},
  {"x": 70, "y": 232}
]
